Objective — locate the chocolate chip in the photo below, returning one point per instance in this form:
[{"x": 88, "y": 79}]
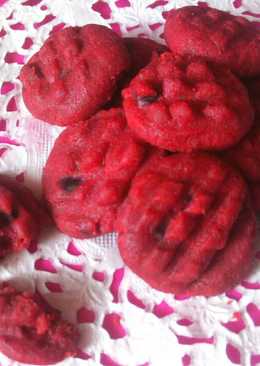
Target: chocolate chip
[
  {"x": 14, "y": 213},
  {"x": 68, "y": 184},
  {"x": 146, "y": 100},
  {"x": 159, "y": 231},
  {"x": 161, "y": 228},
  {"x": 79, "y": 43},
  {"x": 188, "y": 198},
  {"x": 38, "y": 71},
  {"x": 167, "y": 153},
  {"x": 4, "y": 219}
]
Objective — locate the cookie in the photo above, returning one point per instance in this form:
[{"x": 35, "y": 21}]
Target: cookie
[
  {"x": 245, "y": 155},
  {"x": 140, "y": 52},
  {"x": 186, "y": 226},
  {"x": 21, "y": 217},
  {"x": 32, "y": 333},
  {"x": 74, "y": 73},
  {"x": 216, "y": 35},
  {"x": 88, "y": 173},
  {"x": 187, "y": 104}
]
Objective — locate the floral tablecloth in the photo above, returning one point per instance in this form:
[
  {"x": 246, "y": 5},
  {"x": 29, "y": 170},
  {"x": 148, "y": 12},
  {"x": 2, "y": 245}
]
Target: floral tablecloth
[{"x": 122, "y": 321}]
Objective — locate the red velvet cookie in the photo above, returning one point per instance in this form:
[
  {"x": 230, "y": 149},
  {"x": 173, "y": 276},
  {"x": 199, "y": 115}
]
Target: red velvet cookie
[
  {"x": 216, "y": 35},
  {"x": 141, "y": 51},
  {"x": 32, "y": 333},
  {"x": 186, "y": 104},
  {"x": 74, "y": 73},
  {"x": 186, "y": 226},
  {"x": 21, "y": 217},
  {"x": 88, "y": 173},
  {"x": 245, "y": 155}
]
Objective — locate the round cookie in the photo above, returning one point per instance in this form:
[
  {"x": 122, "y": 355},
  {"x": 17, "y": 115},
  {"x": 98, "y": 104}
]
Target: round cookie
[
  {"x": 186, "y": 104},
  {"x": 21, "y": 217},
  {"x": 215, "y": 35},
  {"x": 186, "y": 226},
  {"x": 32, "y": 333},
  {"x": 74, "y": 73},
  {"x": 245, "y": 155},
  {"x": 88, "y": 173}
]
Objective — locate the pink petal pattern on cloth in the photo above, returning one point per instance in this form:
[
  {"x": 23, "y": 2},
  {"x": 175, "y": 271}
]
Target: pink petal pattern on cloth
[
  {"x": 14, "y": 57},
  {"x": 85, "y": 315},
  {"x": 254, "y": 313},
  {"x": 194, "y": 340},
  {"x": 237, "y": 3},
  {"x": 233, "y": 354},
  {"x": 235, "y": 326},
  {"x": 163, "y": 309},
  {"x": 45, "y": 265},
  {"x": 31, "y": 2},
  {"x": 122, "y": 3},
  {"x": 255, "y": 360},
  {"x": 157, "y": 3},
  {"x": 112, "y": 324},
  {"x": 54, "y": 287},
  {"x": 6, "y": 87},
  {"x": 99, "y": 276},
  {"x": 105, "y": 360},
  {"x": 72, "y": 249},
  {"x": 11, "y": 106},
  {"x": 186, "y": 360},
  {"x": 117, "y": 279},
  {"x": 48, "y": 18},
  {"x": 185, "y": 322},
  {"x": 2, "y": 2},
  {"x": 75, "y": 267},
  {"x": 133, "y": 299},
  {"x": 28, "y": 42},
  {"x": 2, "y": 124},
  {"x": 234, "y": 294},
  {"x": 102, "y": 8}
]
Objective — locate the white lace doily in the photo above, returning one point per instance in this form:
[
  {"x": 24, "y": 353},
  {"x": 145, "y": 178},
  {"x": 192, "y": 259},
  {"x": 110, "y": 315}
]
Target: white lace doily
[{"x": 123, "y": 322}]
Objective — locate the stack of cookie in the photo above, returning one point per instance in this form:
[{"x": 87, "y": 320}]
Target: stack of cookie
[
  {"x": 170, "y": 162},
  {"x": 160, "y": 163}
]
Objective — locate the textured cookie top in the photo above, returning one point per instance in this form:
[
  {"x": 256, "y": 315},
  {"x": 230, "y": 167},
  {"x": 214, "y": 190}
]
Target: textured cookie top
[
  {"x": 216, "y": 35},
  {"x": 21, "y": 217},
  {"x": 74, "y": 73},
  {"x": 31, "y": 332},
  {"x": 185, "y": 104},
  {"x": 89, "y": 171},
  {"x": 183, "y": 212},
  {"x": 245, "y": 155}
]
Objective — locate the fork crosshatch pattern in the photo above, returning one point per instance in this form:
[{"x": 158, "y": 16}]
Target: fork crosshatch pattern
[{"x": 122, "y": 321}]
